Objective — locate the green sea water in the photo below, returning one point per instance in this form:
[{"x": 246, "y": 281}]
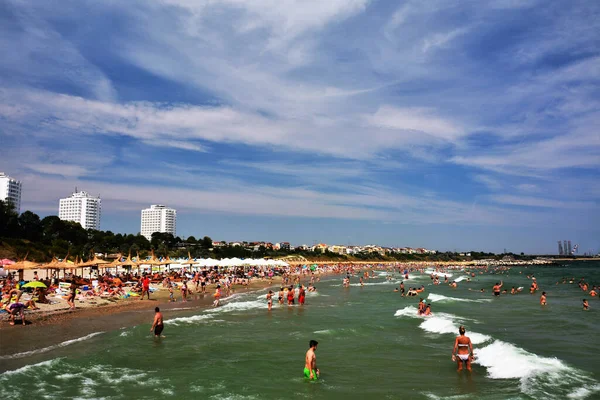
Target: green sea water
[{"x": 371, "y": 345}]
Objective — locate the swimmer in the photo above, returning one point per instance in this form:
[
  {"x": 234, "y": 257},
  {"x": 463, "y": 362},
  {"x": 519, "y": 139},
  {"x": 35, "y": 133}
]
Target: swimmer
[
  {"x": 396, "y": 290},
  {"x": 593, "y": 293},
  {"x": 586, "y": 306},
  {"x": 157, "y": 325},
  {"x": 421, "y": 307},
  {"x": 427, "y": 310},
  {"x": 463, "y": 350},
  {"x": 543, "y": 299},
  {"x": 513, "y": 290},
  {"x": 310, "y": 362},
  {"x": 453, "y": 284}
]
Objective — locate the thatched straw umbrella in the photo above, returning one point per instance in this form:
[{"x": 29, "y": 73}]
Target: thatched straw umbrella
[
  {"x": 95, "y": 262},
  {"x": 21, "y": 266}
]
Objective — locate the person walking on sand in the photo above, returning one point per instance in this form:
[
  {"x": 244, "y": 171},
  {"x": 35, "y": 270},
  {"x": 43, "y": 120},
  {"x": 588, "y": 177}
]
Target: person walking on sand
[
  {"x": 463, "y": 350},
  {"x": 217, "y": 296},
  {"x": 310, "y": 362},
  {"x": 72, "y": 294},
  {"x": 184, "y": 291},
  {"x": 157, "y": 325},
  {"x": 145, "y": 287}
]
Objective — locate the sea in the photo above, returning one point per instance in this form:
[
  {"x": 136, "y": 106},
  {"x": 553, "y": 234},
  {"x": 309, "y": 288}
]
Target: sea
[{"x": 372, "y": 345}]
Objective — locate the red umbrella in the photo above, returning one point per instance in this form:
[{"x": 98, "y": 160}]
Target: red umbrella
[{"x": 6, "y": 261}]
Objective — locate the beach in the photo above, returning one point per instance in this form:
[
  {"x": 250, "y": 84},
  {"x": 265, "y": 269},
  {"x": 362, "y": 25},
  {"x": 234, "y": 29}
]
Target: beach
[{"x": 372, "y": 344}]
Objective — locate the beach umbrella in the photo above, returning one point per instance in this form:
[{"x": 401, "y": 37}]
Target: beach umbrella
[
  {"x": 94, "y": 261},
  {"x": 6, "y": 261},
  {"x": 24, "y": 265},
  {"x": 34, "y": 284}
]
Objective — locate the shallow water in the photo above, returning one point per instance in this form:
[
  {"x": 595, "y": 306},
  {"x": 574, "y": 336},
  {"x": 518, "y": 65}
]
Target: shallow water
[{"x": 372, "y": 344}]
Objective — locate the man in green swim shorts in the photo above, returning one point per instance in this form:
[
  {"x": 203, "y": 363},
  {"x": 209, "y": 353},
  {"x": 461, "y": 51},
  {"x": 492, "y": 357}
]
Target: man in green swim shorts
[{"x": 310, "y": 364}]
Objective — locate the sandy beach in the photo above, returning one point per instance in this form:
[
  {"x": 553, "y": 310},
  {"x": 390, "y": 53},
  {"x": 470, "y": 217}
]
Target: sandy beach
[{"x": 55, "y": 323}]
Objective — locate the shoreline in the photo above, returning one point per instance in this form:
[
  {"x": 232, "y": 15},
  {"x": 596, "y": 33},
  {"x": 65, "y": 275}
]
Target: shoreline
[{"x": 44, "y": 329}]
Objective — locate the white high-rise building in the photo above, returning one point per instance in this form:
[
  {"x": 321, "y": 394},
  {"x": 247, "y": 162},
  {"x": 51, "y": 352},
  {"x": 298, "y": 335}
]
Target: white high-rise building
[
  {"x": 82, "y": 208},
  {"x": 158, "y": 218},
  {"x": 10, "y": 190}
]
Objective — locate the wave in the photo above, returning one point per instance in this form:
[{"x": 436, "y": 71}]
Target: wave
[
  {"x": 460, "y": 278},
  {"x": 376, "y": 283},
  {"x": 188, "y": 320},
  {"x": 239, "y": 306},
  {"x": 49, "y": 348},
  {"x": 27, "y": 368},
  {"x": 441, "y": 298},
  {"x": 61, "y": 376},
  {"x": 539, "y": 377},
  {"x": 435, "y": 273}
]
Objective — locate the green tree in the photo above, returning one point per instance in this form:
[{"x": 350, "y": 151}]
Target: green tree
[{"x": 9, "y": 220}]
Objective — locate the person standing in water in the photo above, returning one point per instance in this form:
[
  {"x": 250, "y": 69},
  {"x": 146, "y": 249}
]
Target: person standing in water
[
  {"x": 310, "y": 362},
  {"x": 463, "y": 350},
  {"x": 543, "y": 299},
  {"x": 586, "y": 305},
  {"x": 157, "y": 325},
  {"x": 270, "y": 300},
  {"x": 301, "y": 295},
  {"x": 496, "y": 288}
]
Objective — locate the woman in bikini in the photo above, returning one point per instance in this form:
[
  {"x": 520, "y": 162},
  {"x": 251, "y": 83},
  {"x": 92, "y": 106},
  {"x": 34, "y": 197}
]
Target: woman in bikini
[{"x": 463, "y": 350}]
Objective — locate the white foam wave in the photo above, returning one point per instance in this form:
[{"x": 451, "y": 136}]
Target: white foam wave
[
  {"x": 27, "y": 368},
  {"x": 460, "y": 278},
  {"x": 441, "y": 298},
  {"x": 539, "y": 376},
  {"x": 324, "y": 332},
  {"x": 440, "y": 323},
  {"x": 408, "y": 311},
  {"x": 239, "y": 306},
  {"x": 188, "y": 320},
  {"x": 439, "y": 274},
  {"x": 376, "y": 283},
  {"x": 49, "y": 348}
]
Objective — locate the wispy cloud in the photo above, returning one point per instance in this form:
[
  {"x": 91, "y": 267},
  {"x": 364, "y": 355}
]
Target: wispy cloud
[{"x": 420, "y": 112}]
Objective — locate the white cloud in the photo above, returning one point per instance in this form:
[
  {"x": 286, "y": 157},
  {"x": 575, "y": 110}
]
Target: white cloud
[
  {"x": 415, "y": 119},
  {"x": 439, "y": 40},
  {"x": 542, "y": 202},
  {"x": 490, "y": 182}
]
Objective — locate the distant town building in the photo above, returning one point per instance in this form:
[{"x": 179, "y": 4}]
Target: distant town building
[
  {"x": 83, "y": 208},
  {"x": 560, "y": 248},
  {"x": 158, "y": 218},
  {"x": 10, "y": 191}
]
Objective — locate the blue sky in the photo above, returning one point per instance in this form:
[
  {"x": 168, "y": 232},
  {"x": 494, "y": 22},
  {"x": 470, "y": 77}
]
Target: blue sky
[{"x": 451, "y": 125}]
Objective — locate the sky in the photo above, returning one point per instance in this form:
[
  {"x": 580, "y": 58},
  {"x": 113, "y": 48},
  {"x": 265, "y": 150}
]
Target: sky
[{"x": 452, "y": 125}]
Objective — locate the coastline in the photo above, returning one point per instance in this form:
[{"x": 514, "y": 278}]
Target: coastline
[{"x": 48, "y": 328}]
